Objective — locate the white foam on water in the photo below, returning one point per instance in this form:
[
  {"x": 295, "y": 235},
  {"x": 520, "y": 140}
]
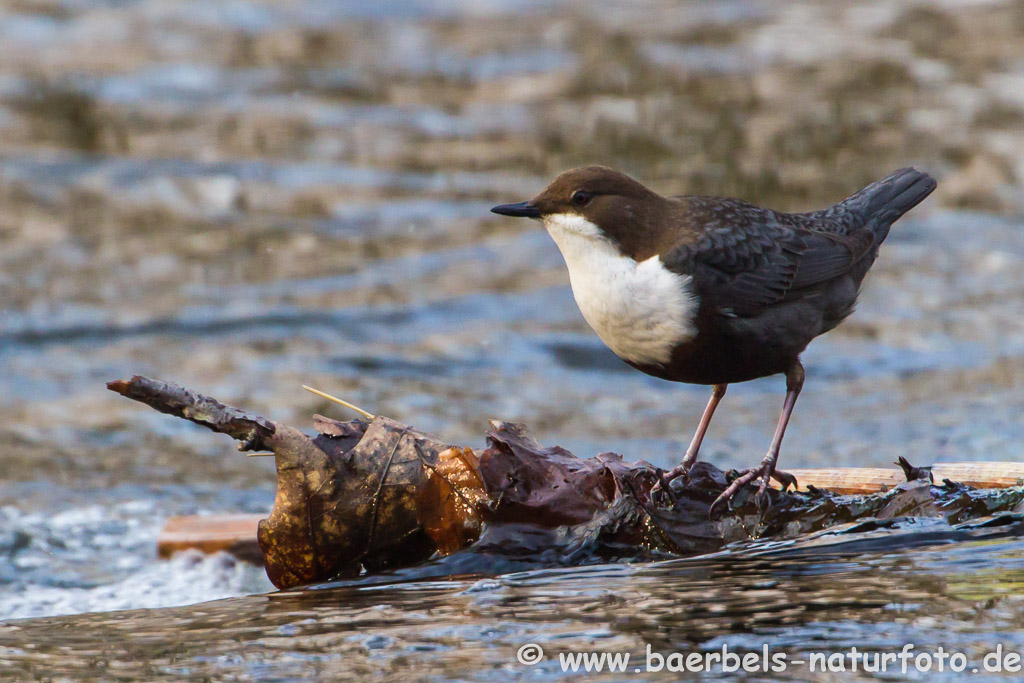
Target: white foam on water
[
  {"x": 96, "y": 558},
  {"x": 189, "y": 577}
]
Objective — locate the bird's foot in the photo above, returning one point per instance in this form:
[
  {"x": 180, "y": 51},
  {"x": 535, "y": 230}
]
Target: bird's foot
[
  {"x": 785, "y": 478},
  {"x": 664, "y": 483},
  {"x": 666, "y": 478},
  {"x": 765, "y": 472},
  {"x": 681, "y": 470}
]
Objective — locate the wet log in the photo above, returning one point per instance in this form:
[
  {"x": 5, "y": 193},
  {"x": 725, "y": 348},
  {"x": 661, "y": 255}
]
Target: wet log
[{"x": 372, "y": 495}]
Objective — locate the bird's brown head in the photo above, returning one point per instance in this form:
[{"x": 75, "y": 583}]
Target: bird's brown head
[{"x": 596, "y": 202}]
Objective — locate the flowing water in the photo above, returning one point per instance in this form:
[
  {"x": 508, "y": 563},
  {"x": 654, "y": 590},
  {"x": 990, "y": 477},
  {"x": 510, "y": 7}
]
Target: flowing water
[
  {"x": 248, "y": 196},
  {"x": 803, "y": 601}
]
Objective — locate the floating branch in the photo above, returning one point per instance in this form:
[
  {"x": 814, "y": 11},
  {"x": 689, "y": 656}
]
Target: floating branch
[{"x": 371, "y": 495}]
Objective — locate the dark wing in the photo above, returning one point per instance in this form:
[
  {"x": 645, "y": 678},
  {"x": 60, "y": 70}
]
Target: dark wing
[{"x": 745, "y": 258}]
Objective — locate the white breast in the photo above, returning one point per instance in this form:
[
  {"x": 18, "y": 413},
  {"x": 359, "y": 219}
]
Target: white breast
[{"x": 641, "y": 311}]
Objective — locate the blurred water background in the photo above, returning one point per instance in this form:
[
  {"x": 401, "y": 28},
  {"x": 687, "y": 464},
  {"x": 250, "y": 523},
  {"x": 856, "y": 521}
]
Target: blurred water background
[{"x": 244, "y": 196}]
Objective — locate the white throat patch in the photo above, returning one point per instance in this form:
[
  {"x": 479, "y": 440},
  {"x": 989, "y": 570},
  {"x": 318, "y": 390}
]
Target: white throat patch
[{"x": 641, "y": 311}]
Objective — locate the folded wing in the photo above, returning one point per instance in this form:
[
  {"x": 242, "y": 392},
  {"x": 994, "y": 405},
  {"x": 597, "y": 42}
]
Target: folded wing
[{"x": 747, "y": 258}]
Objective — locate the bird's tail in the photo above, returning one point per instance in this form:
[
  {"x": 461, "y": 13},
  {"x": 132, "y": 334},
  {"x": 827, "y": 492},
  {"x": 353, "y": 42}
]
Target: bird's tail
[{"x": 882, "y": 202}]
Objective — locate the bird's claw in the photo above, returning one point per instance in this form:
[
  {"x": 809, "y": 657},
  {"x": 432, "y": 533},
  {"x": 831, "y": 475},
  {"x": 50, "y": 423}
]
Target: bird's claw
[
  {"x": 666, "y": 478},
  {"x": 765, "y": 472},
  {"x": 663, "y": 484},
  {"x": 725, "y": 497},
  {"x": 785, "y": 478}
]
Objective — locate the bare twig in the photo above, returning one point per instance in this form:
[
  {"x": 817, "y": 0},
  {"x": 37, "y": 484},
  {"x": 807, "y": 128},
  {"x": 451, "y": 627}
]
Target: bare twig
[{"x": 252, "y": 430}]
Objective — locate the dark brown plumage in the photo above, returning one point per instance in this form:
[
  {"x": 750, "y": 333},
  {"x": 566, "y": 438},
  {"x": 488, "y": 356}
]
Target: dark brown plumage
[{"x": 745, "y": 289}]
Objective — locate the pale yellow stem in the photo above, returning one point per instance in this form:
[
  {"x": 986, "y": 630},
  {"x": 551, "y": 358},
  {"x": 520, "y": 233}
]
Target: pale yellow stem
[{"x": 348, "y": 405}]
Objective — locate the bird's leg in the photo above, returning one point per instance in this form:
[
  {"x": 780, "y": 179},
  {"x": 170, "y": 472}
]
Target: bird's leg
[
  {"x": 698, "y": 437},
  {"x": 766, "y": 471}
]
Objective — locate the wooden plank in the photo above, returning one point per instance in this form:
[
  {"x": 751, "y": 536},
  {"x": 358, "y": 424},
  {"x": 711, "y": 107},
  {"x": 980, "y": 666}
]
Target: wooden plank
[
  {"x": 235, "y": 534},
  {"x": 982, "y": 475},
  {"x": 847, "y": 480}
]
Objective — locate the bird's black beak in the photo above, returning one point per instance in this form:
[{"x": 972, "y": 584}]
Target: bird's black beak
[{"x": 520, "y": 209}]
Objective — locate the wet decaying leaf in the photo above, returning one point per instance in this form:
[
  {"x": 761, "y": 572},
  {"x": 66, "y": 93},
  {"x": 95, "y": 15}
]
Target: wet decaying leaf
[
  {"x": 452, "y": 499},
  {"x": 346, "y": 500},
  {"x": 367, "y": 496}
]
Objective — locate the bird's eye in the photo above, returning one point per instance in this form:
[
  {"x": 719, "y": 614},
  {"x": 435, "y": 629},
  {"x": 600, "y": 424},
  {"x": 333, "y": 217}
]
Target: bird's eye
[{"x": 581, "y": 198}]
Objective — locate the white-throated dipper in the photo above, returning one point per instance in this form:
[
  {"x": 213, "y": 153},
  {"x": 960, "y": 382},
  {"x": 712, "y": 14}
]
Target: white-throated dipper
[{"x": 712, "y": 290}]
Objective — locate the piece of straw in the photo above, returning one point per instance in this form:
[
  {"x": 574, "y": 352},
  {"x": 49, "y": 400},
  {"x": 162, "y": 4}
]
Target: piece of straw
[{"x": 321, "y": 394}]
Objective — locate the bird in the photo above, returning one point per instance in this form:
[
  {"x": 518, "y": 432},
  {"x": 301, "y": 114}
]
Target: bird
[{"x": 715, "y": 290}]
